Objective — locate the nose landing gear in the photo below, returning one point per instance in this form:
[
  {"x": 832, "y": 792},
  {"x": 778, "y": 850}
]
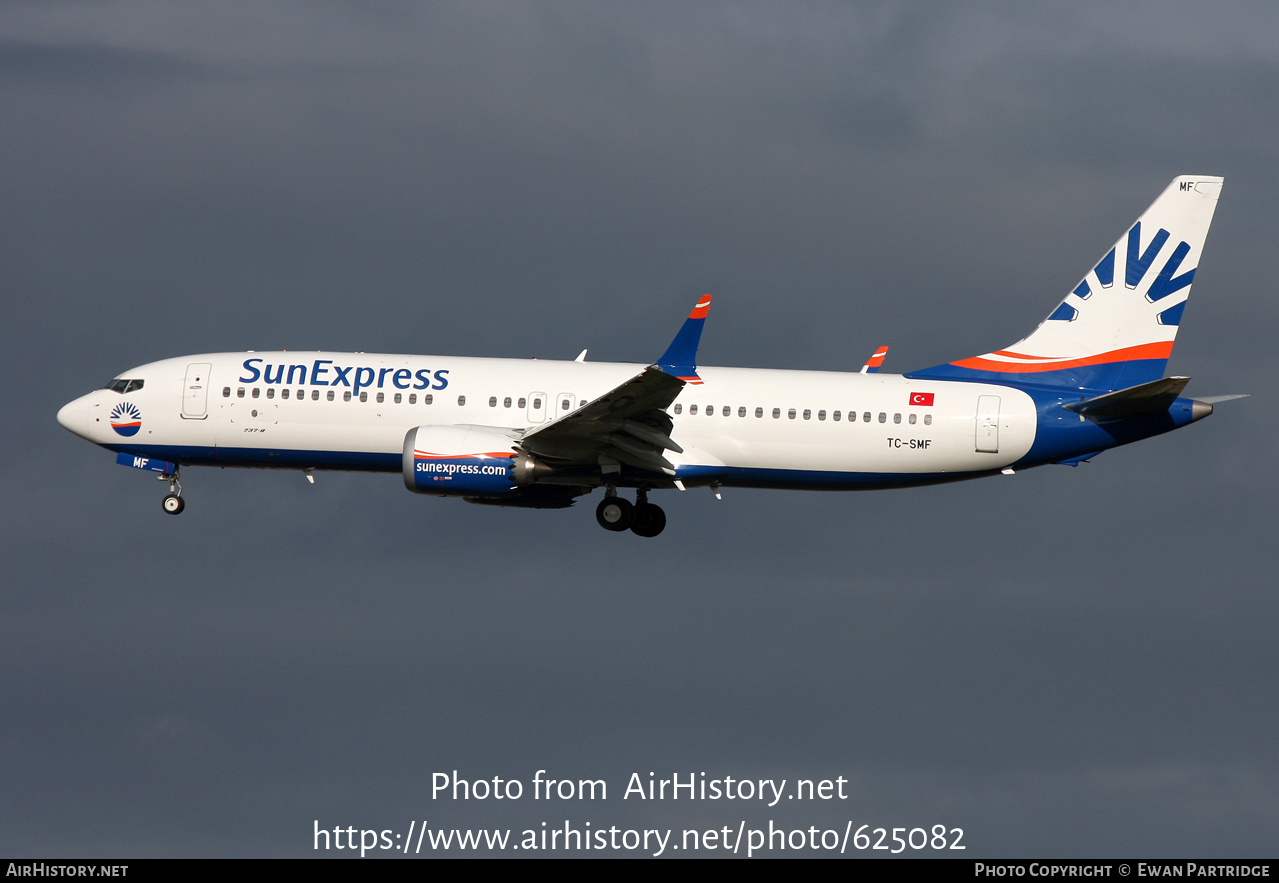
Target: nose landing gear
[
  {"x": 644, "y": 519},
  {"x": 173, "y": 503}
]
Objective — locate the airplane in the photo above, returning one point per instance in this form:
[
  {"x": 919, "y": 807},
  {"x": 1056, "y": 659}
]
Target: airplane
[{"x": 540, "y": 434}]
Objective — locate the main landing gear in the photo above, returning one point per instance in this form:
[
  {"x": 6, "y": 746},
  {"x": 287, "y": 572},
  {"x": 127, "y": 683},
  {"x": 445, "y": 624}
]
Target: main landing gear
[
  {"x": 644, "y": 519},
  {"x": 173, "y": 503}
]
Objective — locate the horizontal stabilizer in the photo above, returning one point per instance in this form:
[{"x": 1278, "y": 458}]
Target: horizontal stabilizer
[
  {"x": 1135, "y": 401},
  {"x": 1075, "y": 461},
  {"x": 1217, "y": 400}
]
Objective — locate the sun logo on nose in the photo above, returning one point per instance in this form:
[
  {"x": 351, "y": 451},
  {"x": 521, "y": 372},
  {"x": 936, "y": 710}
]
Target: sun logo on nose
[{"x": 126, "y": 419}]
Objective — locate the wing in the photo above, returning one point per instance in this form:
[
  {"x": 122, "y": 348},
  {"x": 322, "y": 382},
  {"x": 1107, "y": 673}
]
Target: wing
[{"x": 629, "y": 423}]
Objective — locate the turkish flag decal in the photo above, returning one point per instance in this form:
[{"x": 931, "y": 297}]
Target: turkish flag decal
[{"x": 922, "y": 398}]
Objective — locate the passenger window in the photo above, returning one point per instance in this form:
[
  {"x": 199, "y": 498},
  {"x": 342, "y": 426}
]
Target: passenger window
[
  {"x": 226, "y": 392},
  {"x": 492, "y": 401},
  {"x": 834, "y": 415},
  {"x": 866, "y": 417},
  {"x": 506, "y": 402},
  {"x": 399, "y": 397},
  {"x": 741, "y": 412},
  {"x": 256, "y": 392},
  {"x": 346, "y": 396},
  {"x": 821, "y": 415},
  {"x": 897, "y": 418},
  {"x": 537, "y": 404},
  {"x": 412, "y": 398},
  {"x": 911, "y": 419},
  {"x": 520, "y": 403},
  {"x": 284, "y": 393},
  {"x": 679, "y": 409},
  {"x": 928, "y": 419},
  {"x": 428, "y": 399},
  {"x": 364, "y": 396},
  {"x": 692, "y": 409},
  {"x": 564, "y": 404},
  {"x": 808, "y": 415},
  {"x": 777, "y": 413},
  {"x": 883, "y": 418},
  {"x": 302, "y": 394},
  {"x": 759, "y": 412},
  {"x": 270, "y": 392},
  {"x": 315, "y": 395},
  {"x": 381, "y": 397},
  {"x": 790, "y": 414},
  {"x": 461, "y": 401}
]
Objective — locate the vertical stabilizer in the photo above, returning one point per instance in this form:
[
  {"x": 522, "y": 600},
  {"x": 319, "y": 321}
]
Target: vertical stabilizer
[{"x": 1116, "y": 328}]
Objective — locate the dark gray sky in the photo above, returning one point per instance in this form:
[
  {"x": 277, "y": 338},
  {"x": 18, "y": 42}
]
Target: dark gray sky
[{"x": 1066, "y": 662}]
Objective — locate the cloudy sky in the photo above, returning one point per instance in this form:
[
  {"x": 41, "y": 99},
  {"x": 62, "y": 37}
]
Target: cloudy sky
[{"x": 1066, "y": 662}]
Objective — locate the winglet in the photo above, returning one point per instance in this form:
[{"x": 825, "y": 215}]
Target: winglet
[
  {"x": 875, "y": 361},
  {"x": 680, "y": 358}
]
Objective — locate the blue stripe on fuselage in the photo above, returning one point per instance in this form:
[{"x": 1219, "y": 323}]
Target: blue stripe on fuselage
[{"x": 268, "y": 458}]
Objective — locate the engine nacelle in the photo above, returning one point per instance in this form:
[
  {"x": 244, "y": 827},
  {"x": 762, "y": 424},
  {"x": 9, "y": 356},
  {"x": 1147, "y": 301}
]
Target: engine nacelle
[{"x": 458, "y": 461}]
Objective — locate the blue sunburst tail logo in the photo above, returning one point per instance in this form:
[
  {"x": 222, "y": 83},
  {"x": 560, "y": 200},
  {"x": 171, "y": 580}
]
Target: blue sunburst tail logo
[
  {"x": 1105, "y": 335},
  {"x": 126, "y": 419}
]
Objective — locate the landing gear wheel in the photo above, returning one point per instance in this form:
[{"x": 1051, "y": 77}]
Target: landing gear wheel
[
  {"x": 649, "y": 520},
  {"x": 614, "y": 513},
  {"x": 173, "y": 504}
]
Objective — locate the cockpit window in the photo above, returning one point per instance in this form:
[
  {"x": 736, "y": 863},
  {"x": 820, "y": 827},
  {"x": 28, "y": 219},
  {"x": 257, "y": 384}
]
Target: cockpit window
[{"x": 123, "y": 386}]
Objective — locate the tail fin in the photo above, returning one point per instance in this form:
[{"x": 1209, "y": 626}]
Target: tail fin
[{"x": 1116, "y": 328}]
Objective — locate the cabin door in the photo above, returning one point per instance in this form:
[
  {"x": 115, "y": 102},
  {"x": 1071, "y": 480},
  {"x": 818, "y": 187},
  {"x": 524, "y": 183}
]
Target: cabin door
[
  {"x": 195, "y": 391},
  {"x": 988, "y": 424}
]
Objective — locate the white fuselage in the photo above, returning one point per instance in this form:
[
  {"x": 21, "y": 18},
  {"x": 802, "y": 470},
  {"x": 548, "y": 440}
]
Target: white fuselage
[{"x": 740, "y": 426}]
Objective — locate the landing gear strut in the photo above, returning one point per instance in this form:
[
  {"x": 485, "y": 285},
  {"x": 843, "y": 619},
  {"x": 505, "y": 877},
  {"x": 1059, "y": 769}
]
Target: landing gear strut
[
  {"x": 173, "y": 503},
  {"x": 644, "y": 518}
]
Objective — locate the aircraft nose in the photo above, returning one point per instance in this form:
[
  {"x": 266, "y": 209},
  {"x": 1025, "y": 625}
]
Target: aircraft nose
[{"x": 74, "y": 416}]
